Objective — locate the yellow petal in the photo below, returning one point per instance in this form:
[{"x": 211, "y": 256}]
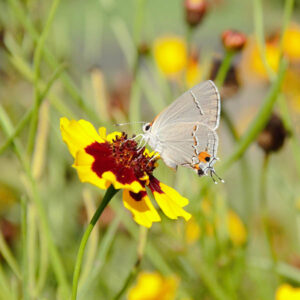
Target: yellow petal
[
  {"x": 78, "y": 134},
  {"x": 174, "y": 195},
  {"x": 110, "y": 137},
  {"x": 102, "y": 132},
  {"x": 83, "y": 165},
  {"x": 85, "y": 174},
  {"x": 143, "y": 211},
  {"x": 171, "y": 202},
  {"x": 135, "y": 186}
]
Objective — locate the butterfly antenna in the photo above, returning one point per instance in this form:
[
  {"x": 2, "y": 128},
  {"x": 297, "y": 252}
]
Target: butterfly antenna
[{"x": 121, "y": 124}]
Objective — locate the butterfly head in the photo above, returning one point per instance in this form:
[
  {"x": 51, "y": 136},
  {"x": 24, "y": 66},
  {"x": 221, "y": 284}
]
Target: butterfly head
[
  {"x": 146, "y": 127},
  {"x": 210, "y": 171}
]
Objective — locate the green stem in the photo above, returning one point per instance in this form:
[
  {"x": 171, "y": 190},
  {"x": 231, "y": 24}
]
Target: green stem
[
  {"x": 8, "y": 256},
  {"x": 260, "y": 120},
  {"x": 209, "y": 280},
  {"x": 140, "y": 253},
  {"x": 37, "y": 63},
  {"x": 290, "y": 128},
  {"x": 264, "y": 209},
  {"x": 43, "y": 265},
  {"x": 25, "y": 287},
  {"x": 128, "y": 280},
  {"x": 108, "y": 196},
  {"x": 50, "y": 59},
  {"x": 28, "y": 114},
  {"x": 223, "y": 70},
  {"x": 57, "y": 265},
  {"x": 244, "y": 166},
  {"x": 224, "y": 114},
  {"x": 260, "y": 37}
]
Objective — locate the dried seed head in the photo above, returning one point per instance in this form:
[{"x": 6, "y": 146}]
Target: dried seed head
[
  {"x": 272, "y": 138},
  {"x": 195, "y": 11},
  {"x": 143, "y": 49}
]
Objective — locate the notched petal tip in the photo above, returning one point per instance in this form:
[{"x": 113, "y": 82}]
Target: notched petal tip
[
  {"x": 169, "y": 200},
  {"x": 141, "y": 208}
]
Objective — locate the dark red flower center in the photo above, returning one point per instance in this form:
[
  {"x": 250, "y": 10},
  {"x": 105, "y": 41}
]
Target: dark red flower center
[{"x": 122, "y": 158}]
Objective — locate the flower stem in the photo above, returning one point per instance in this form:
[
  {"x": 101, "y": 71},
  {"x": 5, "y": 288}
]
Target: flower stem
[
  {"x": 37, "y": 64},
  {"x": 264, "y": 209},
  {"x": 140, "y": 253},
  {"x": 260, "y": 120},
  {"x": 108, "y": 196},
  {"x": 260, "y": 36},
  {"x": 220, "y": 78}
]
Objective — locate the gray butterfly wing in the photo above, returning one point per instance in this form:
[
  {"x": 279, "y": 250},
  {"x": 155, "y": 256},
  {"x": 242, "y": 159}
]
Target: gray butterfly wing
[
  {"x": 199, "y": 104},
  {"x": 181, "y": 144}
]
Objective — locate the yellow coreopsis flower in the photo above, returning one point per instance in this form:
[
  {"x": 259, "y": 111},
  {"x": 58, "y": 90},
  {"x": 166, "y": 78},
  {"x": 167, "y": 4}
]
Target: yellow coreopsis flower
[
  {"x": 236, "y": 229},
  {"x": 153, "y": 286},
  {"x": 193, "y": 72},
  {"x": 272, "y": 57},
  {"x": 192, "y": 231},
  {"x": 170, "y": 54},
  {"x": 291, "y": 42},
  {"x": 287, "y": 292},
  {"x": 113, "y": 159}
]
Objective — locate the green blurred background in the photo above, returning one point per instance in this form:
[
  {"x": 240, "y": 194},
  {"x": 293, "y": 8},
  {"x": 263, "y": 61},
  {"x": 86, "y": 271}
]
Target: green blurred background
[{"x": 96, "y": 42}]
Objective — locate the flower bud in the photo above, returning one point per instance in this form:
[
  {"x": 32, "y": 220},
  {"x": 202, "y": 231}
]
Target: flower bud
[
  {"x": 272, "y": 138},
  {"x": 143, "y": 48},
  {"x": 233, "y": 40},
  {"x": 194, "y": 11}
]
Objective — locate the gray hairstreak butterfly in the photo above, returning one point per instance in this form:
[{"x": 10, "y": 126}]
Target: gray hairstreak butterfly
[{"x": 184, "y": 133}]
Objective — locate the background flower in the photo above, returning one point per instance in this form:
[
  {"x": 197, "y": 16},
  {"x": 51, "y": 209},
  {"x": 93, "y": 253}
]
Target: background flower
[
  {"x": 287, "y": 292},
  {"x": 153, "y": 286}
]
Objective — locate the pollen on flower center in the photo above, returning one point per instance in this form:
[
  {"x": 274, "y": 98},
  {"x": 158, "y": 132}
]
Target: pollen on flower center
[{"x": 122, "y": 157}]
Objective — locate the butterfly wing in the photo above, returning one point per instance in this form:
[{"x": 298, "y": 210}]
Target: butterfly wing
[
  {"x": 199, "y": 104},
  {"x": 188, "y": 144}
]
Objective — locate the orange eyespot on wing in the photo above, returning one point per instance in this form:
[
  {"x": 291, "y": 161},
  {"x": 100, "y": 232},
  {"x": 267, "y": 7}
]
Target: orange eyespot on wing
[{"x": 204, "y": 157}]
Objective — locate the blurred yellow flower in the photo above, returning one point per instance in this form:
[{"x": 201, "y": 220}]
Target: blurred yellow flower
[
  {"x": 170, "y": 54},
  {"x": 236, "y": 229},
  {"x": 255, "y": 61},
  {"x": 206, "y": 207},
  {"x": 287, "y": 292},
  {"x": 193, "y": 72},
  {"x": 153, "y": 286},
  {"x": 192, "y": 231},
  {"x": 291, "y": 42}
]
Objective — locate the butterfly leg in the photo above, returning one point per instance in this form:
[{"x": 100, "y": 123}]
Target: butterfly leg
[{"x": 155, "y": 156}]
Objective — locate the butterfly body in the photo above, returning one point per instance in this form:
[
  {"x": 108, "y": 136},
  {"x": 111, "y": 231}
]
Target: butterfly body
[{"x": 184, "y": 133}]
